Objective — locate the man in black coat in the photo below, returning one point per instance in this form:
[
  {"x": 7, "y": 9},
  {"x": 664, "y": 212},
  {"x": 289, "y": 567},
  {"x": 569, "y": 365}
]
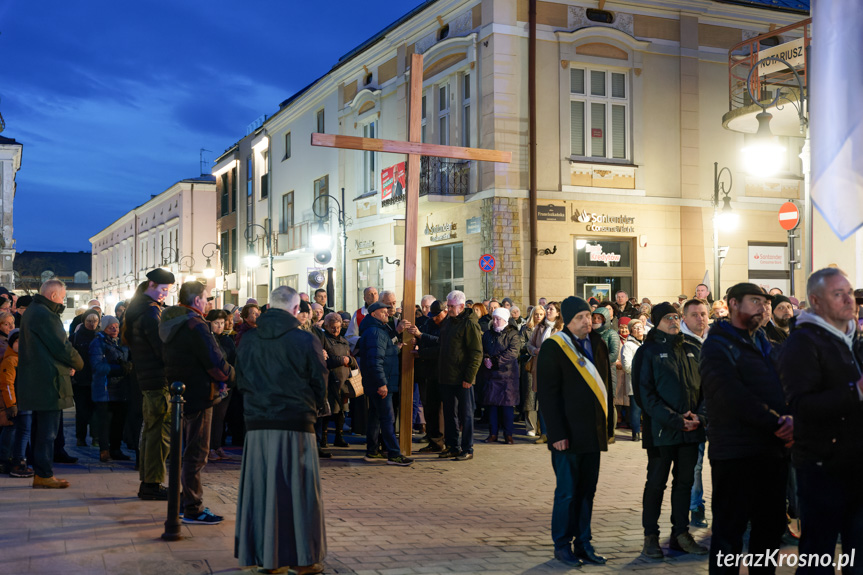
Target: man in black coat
[
  {"x": 820, "y": 365},
  {"x": 749, "y": 429},
  {"x": 193, "y": 356},
  {"x": 428, "y": 337},
  {"x": 573, "y": 376},
  {"x": 778, "y": 327},
  {"x": 670, "y": 389},
  {"x": 141, "y": 334}
]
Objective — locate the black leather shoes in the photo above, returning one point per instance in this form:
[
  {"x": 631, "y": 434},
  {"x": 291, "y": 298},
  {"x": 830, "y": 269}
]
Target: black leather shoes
[
  {"x": 64, "y": 458},
  {"x": 587, "y": 554},
  {"x": 567, "y": 557}
]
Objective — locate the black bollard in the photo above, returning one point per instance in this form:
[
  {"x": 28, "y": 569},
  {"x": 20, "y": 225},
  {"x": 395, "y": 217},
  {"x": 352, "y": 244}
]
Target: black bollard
[{"x": 172, "y": 523}]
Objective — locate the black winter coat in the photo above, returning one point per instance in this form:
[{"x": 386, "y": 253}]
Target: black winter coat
[
  {"x": 485, "y": 323},
  {"x": 669, "y": 386},
  {"x": 81, "y": 341},
  {"x": 501, "y": 382},
  {"x": 743, "y": 394},
  {"x": 141, "y": 335},
  {"x": 337, "y": 349},
  {"x": 460, "y": 348},
  {"x": 569, "y": 407},
  {"x": 229, "y": 349},
  {"x": 426, "y": 366},
  {"x": 193, "y": 356},
  {"x": 281, "y": 372},
  {"x": 819, "y": 373}
]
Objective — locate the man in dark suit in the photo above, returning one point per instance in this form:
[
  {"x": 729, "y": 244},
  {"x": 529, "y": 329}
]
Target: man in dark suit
[{"x": 573, "y": 376}]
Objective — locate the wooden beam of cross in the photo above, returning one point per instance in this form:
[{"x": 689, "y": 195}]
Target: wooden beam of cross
[{"x": 414, "y": 148}]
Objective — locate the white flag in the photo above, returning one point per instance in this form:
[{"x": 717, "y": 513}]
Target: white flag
[{"x": 836, "y": 113}]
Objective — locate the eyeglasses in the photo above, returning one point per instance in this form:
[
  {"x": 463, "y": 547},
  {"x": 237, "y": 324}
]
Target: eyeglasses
[{"x": 672, "y": 317}]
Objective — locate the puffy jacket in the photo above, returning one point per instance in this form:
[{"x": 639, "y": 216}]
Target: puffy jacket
[
  {"x": 819, "y": 371},
  {"x": 8, "y": 371},
  {"x": 45, "y": 357},
  {"x": 612, "y": 341},
  {"x": 378, "y": 356},
  {"x": 81, "y": 341},
  {"x": 193, "y": 356},
  {"x": 107, "y": 357},
  {"x": 140, "y": 332},
  {"x": 670, "y": 386},
  {"x": 627, "y": 354},
  {"x": 281, "y": 372},
  {"x": 460, "y": 349},
  {"x": 742, "y": 394},
  {"x": 501, "y": 381}
]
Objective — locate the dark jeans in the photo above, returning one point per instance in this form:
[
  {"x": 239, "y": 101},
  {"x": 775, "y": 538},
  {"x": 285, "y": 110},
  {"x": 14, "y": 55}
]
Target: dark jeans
[
  {"x": 634, "y": 415},
  {"x": 577, "y": 474},
  {"x": 110, "y": 419},
  {"x": 60, "y": 439},
  {"x": 680, "y": 460},
  {"x": 696, "y": 500},
  {"x": 747, "y": 490},
  {"x": 84, "y": 410},
  {"x": 359, "y": 408},
  {"x": 217, "y": 429},
  {"x": 430, "y": 395},
  {"x": 44, "y": 432},
  {"x": 830, "y": 505},
  {"x": 14, "y": 438},
  {"x": 381, "y": 424},
  {"x": 453, "y": 414},
  {"x": 508, "y": 417},
  {"x": 196, "y": 448}
]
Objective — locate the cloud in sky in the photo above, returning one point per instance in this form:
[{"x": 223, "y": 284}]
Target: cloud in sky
[{"x": 113, "y": 101}]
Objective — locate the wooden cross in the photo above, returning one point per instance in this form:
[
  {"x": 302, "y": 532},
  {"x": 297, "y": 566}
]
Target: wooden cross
[{"x": 414, "y": 148}]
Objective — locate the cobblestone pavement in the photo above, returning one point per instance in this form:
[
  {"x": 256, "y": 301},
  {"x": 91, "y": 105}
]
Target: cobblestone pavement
[{"x": 488, "y": 515}]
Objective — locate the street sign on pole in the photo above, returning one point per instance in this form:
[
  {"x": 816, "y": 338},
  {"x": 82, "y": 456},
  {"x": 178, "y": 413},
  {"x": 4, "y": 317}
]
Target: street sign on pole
[
  {"x": 789, "y": 216},
  {"x": 486, "y": 264}
]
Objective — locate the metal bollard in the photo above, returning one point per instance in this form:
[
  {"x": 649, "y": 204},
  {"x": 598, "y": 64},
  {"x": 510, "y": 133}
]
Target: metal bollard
[{"x": 172, "y": 523}]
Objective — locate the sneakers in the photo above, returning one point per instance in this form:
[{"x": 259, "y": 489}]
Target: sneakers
[
  {"x": 152, "y": 492},
  {"x": 464, "y": 456},
  {"x": 206, "y": 517},
  {"x": 686, "y": 544},
  {"x": 531, "y": 433},
  {"x": 400, "y": 460},
  {"x": 374, "y": 457},
  {"x": 448, "y": 453},
  {"x": 696, "y": 517},
  {"x": 651, "y": 547},
  {"x": 49, "y": 483},
  {"x": 213, "y": 456},
  {"x": 21, "y": 469}
]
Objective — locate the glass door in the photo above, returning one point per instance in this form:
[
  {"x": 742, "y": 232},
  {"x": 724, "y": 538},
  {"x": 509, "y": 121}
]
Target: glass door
[{"x": 604, "y": 266}]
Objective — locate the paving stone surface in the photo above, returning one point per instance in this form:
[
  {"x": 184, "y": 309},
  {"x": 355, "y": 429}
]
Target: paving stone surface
[{"x": 490, "y": 515}]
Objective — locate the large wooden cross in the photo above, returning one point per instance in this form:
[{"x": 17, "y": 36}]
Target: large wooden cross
[{"x": 414, "y": 148}]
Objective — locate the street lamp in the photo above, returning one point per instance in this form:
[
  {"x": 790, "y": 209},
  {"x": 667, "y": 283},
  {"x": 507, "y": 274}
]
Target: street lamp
[
  {"x": 209, "y": 270},
  {"x": 724, "y": 217},
  {"x": 322, "y": 241},
  {"x": 191, "y": 263}
]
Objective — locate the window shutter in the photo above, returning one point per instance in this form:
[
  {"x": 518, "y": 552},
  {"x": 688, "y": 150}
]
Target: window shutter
[
  {"x": 576, "y": 81},
  {"x": 597, "y": 83},
  {"x": 576, "y": 123},
  {"x": 597, "y": 130},
  {"x": 618, "y": 132},
  {"x": 618, "y": 85}
]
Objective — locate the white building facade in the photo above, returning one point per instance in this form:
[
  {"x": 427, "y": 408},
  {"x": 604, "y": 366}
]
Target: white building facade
[{"x": 10, "y": 162}]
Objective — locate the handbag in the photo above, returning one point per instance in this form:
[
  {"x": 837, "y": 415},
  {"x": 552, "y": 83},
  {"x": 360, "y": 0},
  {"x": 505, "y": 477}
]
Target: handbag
[{"x": 355, "y": 384}]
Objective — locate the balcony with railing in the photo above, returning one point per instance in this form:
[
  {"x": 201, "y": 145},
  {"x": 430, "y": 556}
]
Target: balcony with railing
[{"x": 444, "y": 177}]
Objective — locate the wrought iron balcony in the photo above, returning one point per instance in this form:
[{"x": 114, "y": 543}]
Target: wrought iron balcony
[{"x": 444, "y": 177}]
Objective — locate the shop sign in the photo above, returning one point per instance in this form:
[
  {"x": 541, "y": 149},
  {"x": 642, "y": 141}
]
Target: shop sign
[
  {"x": 392, "y": 182},
  {"x": 551, "y": 213},
  {"x": 597, "y": 255},
  {"x": 365, "y": 247},
  {"x": 768, "y": 258},
  {"x": 603, "y": 222},
  {"x": 474, "y": 225},
  {"x": 440, "y": 232},
  {"x": 792, "y": 52}
]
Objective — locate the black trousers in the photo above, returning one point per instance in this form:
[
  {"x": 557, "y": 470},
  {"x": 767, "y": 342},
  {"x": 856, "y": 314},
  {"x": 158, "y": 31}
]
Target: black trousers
[
  {"x": 84, "y": 410},
  {"x": 680, "y": 460},
  {"x": 747, "y": 490},
  {"x": 433, "y": 409},
  {"x": 110, "y": 419},
  {"x": 830, "y": 504}
]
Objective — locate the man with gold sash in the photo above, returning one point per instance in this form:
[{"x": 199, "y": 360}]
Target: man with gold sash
[{"x": 573, "y": 379}]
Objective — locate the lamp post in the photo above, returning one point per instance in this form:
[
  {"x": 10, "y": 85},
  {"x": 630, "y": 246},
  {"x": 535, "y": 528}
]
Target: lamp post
[
  {"x": 252, "y": 259},
  {"x": 322, "y": 240},
  {"x": 724, "y": 217},
  {"x": 190, "y": 261},
  {"x": 209, "y": 270}
]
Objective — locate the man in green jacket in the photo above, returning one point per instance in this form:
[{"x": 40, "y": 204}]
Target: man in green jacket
[
  {"x": 460, "y": 357},
  {"x": 46, "y": 364}
]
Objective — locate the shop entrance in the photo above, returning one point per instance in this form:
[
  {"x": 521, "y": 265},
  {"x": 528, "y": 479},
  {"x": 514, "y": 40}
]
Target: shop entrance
[{"x": 603, "y": 266}]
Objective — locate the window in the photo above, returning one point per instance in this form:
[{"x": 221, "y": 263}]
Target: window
[
  {"x": 443, "y": 32},
  {"x": 287, "y": 220},
  {"x": 370, "y": 273},
  {"x": 321, "y": 209},
  {"x": 604, "y": 266},
  {"x": 599, "y": 114},
  {"x": 602, "y": 16},
  {"x": 369, "y": 163},
  {"x": 177, "y": 244},
  {"x": 233, "y": 189},
  {"x": 287, "y": 146},
  {"x": 320, "y": 122},
  {"x": 224, "y": 246},
  {"x": 368, "y": 79},
  {"x": 233, "y": 251},
  {"x": 265, "y": 177},
  {"x": 81, "y": 278},
  {"x": 250, "y": 187},
  {"x": 465, "y": 120},
  {"x": 290, "y": 281},
  {"x": 223, "y": 181},
  {"x": 443, "y": 115},
  {"x": 423, "y": 113},
  {"x": 446, "y": 269}
]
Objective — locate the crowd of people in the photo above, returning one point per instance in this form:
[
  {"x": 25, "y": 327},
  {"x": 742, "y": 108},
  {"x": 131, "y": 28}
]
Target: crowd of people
[{"x": 768, "y": 387}]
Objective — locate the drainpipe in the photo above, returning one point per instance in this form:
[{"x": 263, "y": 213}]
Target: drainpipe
[{"x": 531, "y": 121}]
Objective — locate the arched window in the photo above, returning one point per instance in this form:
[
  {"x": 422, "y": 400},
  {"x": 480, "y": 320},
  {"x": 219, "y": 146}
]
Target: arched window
[
  {"x": 46, "y": 275},
  {"x": 81, "y": 278}
]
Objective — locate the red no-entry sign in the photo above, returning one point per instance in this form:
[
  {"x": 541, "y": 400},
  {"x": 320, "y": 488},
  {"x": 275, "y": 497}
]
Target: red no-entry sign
[
  {"x": 789, "y": 216},
  {"x": 486, "y": 263}
]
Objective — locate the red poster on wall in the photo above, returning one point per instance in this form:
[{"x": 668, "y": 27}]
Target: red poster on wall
[{"x": 393, "y": 181}]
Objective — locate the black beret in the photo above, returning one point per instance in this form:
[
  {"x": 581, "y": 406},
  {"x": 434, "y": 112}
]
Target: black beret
[{"x": 160, "y": 276}]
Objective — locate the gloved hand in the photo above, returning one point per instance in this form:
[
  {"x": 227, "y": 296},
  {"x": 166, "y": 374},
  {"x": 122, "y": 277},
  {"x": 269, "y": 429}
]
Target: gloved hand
[
  {"x": 127, "y": 367},
  {"x": 12, "y": 411}
]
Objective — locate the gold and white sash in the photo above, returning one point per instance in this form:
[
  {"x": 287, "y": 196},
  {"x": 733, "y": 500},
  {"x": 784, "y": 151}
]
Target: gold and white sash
[{"x": 585, "y": 368}]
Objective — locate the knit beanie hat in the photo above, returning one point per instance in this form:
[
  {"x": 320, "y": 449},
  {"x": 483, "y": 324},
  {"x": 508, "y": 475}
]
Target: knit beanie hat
[
  {"x": 572, "y": 306},
  {"x": 108, "y": 320},
  {"x": 661, "y": 310},
  {"x": 501, "y": 312},
  {"x": 778, "y": 299}
]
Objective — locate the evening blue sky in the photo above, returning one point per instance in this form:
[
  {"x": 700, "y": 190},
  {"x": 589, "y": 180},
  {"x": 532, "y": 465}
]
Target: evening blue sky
[{"x": 113, "y": 100}]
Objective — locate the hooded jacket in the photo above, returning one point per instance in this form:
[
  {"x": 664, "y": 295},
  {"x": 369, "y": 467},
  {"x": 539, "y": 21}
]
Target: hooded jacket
[
  {"x": 281, "y": 372},
  {"x": 8, "y": 371},
  {"x": 460, "y": 349},
  {"x": 819, "y": 366},
  {"x": 612, "y": 341},
  {"x": 193, "y": 356},
  {"x": 107, "y": 358},
  {"x": 140, "y": 331},
  {"x": 378, "y": 355},
  {"x": 45, "y": 357}
]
